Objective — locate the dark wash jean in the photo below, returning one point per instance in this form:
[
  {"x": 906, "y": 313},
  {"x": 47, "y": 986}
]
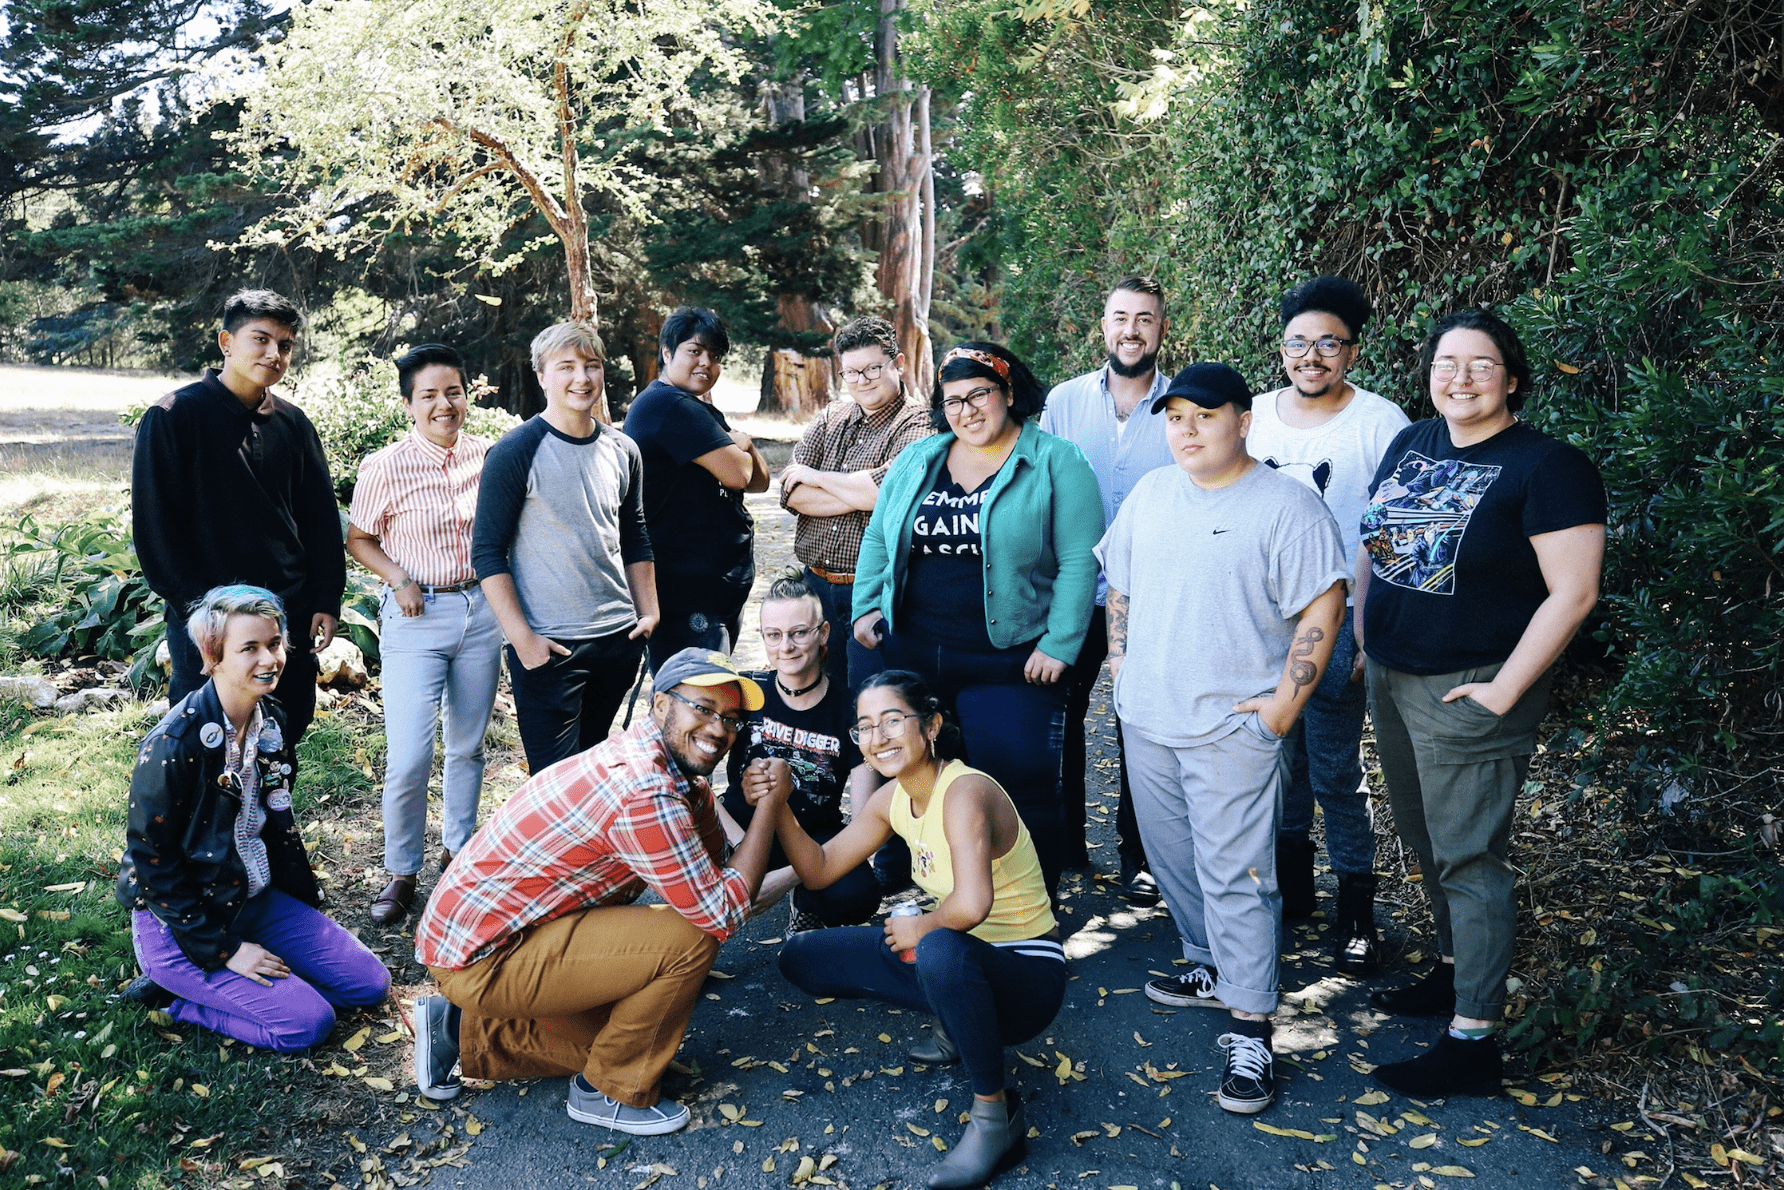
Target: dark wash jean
[
  {"x": 1324, "y": 754},
  {"x": 296, "y": 690},
  {"x": 849, "y": 662},
  {"x": 567, "y": 705},
  {"x": 1015, "y": 732},
  {"x": 691, "y": 626}
]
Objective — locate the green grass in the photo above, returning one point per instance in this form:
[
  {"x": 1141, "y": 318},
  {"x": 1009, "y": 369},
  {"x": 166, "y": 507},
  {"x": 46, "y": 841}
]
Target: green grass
[{"x": 90, "y": 1088}]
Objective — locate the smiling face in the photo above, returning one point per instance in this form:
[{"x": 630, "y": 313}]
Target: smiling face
[
  {"x": 794, "y": 633},
  {"x": 871, "y": 392},
  {"x": 1133, "y": 328},
  {"x": 889, "y": 750},
  {"x": 256, "y": 355},
  {"x": 437, "y": 403},
  {"x": 697, "y": 738},
  {"x": 252, "y": 659},
  {"x": 692, "y": 366},
  {"x": 572, "y": 381},
  {"x": 1209, "y": 444},
  {"x": 1316, "y": 375},
  {"x": 1473, "y": 405},
  {"x": 980, "y": 414}
]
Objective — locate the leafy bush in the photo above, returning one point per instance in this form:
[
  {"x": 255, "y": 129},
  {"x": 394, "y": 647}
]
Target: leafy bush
[{"x": 85, "y": 580}]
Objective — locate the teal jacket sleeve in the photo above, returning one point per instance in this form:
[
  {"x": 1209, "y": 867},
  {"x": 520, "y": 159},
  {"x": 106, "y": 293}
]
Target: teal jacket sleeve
[
  {"x": 1077, "y": 512},
  {"x": 873, "y": 566}
]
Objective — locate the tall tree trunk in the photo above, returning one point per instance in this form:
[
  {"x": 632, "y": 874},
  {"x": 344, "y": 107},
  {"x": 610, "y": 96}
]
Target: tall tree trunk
[
  {"x": 793, "y": 383},
  {"x": 907, "y": 240}
]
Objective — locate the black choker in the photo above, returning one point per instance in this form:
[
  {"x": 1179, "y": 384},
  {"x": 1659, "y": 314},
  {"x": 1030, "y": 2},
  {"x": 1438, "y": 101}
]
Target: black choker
[{"x": 782, "y": 686}]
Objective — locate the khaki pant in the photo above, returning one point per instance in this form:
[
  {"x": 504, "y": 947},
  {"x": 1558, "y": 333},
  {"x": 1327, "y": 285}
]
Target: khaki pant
[
  {"x": 606, "y": 991},
  {"x": 1453, "y": 771}
]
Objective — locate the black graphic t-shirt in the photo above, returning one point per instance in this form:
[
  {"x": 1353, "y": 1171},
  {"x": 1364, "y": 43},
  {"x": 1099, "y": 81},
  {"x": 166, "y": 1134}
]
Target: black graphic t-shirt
[
  {"x": 945, "y": 592},
  {"x": 814, "y": 743},
  {"x": 1453, "y": 579}
]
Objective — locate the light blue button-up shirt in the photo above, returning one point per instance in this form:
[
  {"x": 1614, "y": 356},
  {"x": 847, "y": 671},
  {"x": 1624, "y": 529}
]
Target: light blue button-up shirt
[{"x": 1082, "y": 410}]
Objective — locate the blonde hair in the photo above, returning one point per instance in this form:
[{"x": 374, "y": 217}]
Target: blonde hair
[
  {"x": 208, "y": 620},
  {"x": 581, "y": 335}
]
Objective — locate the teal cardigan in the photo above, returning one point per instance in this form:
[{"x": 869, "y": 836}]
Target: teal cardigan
[{"x": 1040, "y": 520}]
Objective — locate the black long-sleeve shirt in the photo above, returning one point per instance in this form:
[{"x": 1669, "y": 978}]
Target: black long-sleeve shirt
[{"x": 224, "y": 494}]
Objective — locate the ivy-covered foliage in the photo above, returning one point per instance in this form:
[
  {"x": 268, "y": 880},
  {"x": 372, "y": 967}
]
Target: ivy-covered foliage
[{"x": 1591, "y": 169}]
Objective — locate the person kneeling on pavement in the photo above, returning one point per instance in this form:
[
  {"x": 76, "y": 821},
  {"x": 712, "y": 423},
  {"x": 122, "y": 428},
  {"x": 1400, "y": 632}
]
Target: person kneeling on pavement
[
  {"x": 225, "y": 916},
  {"x": 545, "y": 964},
  {"x": 987, "y": 960}
]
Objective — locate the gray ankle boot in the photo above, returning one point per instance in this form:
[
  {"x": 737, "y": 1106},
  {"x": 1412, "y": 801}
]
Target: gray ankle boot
[
  {"x": 938, "y": 1050},
  {"x": 994, "y": 1140}
]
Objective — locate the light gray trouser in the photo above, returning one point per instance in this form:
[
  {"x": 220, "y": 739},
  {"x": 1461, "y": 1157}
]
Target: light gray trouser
[
  {"x": 1453, "y": 771},
  {"x": 1208, "y": 817},
  {"x": 440, "y": 670}
]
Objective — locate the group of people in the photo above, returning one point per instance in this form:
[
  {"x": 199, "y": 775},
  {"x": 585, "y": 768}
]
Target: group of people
[{"x": 1256, "y": 569}]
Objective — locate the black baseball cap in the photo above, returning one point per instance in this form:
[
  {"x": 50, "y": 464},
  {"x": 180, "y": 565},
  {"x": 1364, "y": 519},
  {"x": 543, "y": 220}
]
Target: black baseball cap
[{"x": 1208, "y": 385}]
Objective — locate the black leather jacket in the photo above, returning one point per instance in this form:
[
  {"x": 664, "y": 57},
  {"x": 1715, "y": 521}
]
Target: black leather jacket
[{"x": 180, "y": 861}]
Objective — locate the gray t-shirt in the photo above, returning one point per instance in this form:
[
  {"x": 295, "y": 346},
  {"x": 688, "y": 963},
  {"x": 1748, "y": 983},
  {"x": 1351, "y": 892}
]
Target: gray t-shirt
[
  {"x": 1215, "y": 581},
  {"x": 565, "y": 517}
]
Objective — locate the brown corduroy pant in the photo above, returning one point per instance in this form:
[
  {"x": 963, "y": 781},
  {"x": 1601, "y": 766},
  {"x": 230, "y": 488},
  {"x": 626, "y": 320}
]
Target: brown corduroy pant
[{"x": 606, "y": 991}]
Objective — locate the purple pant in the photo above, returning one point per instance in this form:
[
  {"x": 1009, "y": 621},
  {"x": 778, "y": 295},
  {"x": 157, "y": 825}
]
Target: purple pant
[{"x": 330, "y": 969}]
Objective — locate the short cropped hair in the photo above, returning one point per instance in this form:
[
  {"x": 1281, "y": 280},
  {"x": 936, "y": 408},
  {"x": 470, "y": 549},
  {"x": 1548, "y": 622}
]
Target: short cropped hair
[
  {"x": 1340, "y": 297},
  {"x": 1026, "y": 394},
  {"x": 426, "y": 356},
  {"x": 581, "y": 335},
  {"x": 868, "y": 331},
  {"x": 1140, "y": 283},
  {"x": 250, "y": 304},
  {"x": 694, "y": 322},
  {"x": 209, "y": 617},
  {"x": 1511, "y": 349}
]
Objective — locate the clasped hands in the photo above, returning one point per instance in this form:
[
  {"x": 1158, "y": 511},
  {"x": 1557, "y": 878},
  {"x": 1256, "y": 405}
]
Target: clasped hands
[{"x": 767, "y": 783}]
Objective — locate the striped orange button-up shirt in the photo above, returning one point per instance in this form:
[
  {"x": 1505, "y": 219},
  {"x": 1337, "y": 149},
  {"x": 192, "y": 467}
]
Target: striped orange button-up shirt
[{"x": 419, "y": 500}]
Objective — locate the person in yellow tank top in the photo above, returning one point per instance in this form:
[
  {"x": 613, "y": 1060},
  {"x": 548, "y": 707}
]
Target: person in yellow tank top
[{"x": 986, "y": 960}]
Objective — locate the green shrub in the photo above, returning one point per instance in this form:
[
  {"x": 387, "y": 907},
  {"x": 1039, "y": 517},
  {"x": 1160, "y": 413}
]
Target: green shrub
[{"x": 84, "y": 579}]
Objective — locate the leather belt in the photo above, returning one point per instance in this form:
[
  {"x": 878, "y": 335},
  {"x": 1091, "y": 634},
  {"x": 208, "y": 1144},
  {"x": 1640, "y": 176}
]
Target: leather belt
[
  {"x": 451, "y": 590},
  {"x": 841, "y": 580}
]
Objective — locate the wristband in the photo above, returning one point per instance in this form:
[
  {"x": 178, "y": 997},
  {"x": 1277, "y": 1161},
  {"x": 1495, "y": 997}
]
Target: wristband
[{"x": 408, "y": 581}]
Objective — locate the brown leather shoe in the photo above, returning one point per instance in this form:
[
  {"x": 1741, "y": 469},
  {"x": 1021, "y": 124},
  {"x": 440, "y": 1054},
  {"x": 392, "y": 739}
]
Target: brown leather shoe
[
  {"x": 445, "y": 859},
  {"x": 393, "y": 903}
]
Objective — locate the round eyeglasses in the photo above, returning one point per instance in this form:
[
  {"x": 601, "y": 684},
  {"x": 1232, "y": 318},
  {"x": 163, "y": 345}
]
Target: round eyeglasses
[
  {"x": 1479, "y": 370},
  {"x": 1326, "y": 346},
  {"x": 889, "y": 725}
]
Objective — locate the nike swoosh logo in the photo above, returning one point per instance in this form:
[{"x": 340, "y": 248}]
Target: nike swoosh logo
[{"x": 1218, "y": 532}]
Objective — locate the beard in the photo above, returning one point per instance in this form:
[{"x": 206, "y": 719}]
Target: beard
[{"x": 1133, "y": 371}]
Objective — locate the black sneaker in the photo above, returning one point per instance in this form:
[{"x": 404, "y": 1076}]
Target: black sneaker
[
  {"x": 1139, "y": 888},
  {"x": 1249, "y": 1084},
  {"x": 436, "y": 1048},
  {"x": 146, "y": 992},
  {"x": 1193, "y": 989},
  {"x": 1434, "y": 995}
]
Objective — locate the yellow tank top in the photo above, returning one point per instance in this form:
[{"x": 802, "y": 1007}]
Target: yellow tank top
[{"x": 1019, "y": 905}]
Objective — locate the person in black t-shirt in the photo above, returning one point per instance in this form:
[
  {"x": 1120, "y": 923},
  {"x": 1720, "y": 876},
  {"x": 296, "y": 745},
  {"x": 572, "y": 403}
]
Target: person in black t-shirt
[
  {"x": 696, "y": 471},
  {"x": 1482, "y": 547},
  {"x": 801, "y": 735}
]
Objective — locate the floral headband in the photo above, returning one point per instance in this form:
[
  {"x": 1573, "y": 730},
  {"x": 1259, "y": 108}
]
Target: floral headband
[{"x": 978, "y": 357}]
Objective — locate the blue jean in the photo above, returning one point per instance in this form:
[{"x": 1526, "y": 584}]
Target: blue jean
[
  {"x": 330, "y": 969},
  {"x": 850, "y": 662},
  {"x": 440, "y": 668},
  {"x": 986, "y": 996},
  {"x": 1324, "y": 755},
  {"x": 1015, "y": 732}
]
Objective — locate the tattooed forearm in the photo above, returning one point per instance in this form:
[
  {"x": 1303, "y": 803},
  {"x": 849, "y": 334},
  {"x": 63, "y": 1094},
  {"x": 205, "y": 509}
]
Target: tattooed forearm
[
  {"x": 1300, "y": 670},
  {"x": 1117, "y": 610}
]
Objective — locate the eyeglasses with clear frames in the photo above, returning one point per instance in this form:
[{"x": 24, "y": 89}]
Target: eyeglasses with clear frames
[
  {"x": 889, "y": 725},
  {"x": 772, "y": 637},
  {"x": 1479, "y": 370},
  {"x": 1327, "y": 346},
  {"x": 730, "y": 722},
  {"x": 864, "y": 375},
  {"x": 977, "y": 398}
]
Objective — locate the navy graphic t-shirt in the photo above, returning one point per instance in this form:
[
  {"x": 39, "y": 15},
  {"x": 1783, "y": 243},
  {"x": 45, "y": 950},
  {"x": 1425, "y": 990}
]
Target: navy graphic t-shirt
[
  {"x": 1453, "y": 579},
  {"x": 815, "y": 744},
  {"x": 945, "y": 590}
]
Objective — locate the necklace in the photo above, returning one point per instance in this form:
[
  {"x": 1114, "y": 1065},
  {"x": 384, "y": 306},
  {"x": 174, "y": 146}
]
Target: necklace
[{"x": 788, "y": 693}]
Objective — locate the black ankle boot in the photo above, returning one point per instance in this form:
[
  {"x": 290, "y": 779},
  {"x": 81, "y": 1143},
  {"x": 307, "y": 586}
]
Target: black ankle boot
[
  {"x": 1451, "y": 1067},
  {"x": 938, "y": 1050},
  {"x": 1434, "y": 995},
  {"x": 1356, "y": 948},
  {"x": 1294, "y": 876}
]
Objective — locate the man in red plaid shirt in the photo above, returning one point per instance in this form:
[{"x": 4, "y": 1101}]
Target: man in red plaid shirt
[{"x": 547, "y": 966}]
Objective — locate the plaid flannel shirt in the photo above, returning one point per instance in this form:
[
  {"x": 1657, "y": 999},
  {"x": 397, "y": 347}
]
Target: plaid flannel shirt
[
  {"x": 593, "y": 830},
  {"x": 843, "y": 438}
]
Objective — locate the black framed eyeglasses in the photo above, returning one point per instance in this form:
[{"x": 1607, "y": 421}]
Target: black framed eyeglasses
[
  {"x": 863, "y": 375},
  {"x": 1327, "y": 346},
  {"x": 731, "y": 722},
  {"x": 977, "y": 398}
]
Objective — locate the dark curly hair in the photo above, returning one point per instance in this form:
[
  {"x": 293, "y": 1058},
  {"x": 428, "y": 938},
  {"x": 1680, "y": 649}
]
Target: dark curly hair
[
  {"x": 1027, "y": 395},
  {"x": 1511, "y": 349},
  {"x": 1340, "y": 297},
  {"x": 916, "y": 694}
]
